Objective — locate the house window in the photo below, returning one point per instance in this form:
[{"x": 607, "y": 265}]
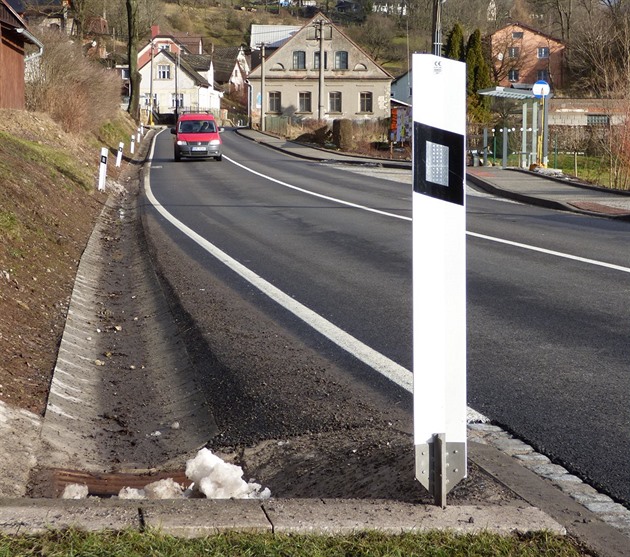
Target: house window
[
  {"x": 177, "y": 100},
  {"x": 597, "y": 120},
  {"x": 305, "y": 102},
  {"x": 542, "y": 75},
  {"x": 514, "y": 51},
  {"x": 316, "y": 60},
  {"x": 124, "y": 73},
  {"x": 334, "y": 101},
  {"x": 166, "y": 47},
  {"x": 365, "y": 101},
  {"x": 517, "y": 34},
  {"x": 164, "y": 71},
  {"x": 299, "y": 60},
  {"x": 275, "y": 101},
  {"x": 341, "y": 60},
  {"x": 513, "y": 75},
  {"x": 543, "y": 52}
]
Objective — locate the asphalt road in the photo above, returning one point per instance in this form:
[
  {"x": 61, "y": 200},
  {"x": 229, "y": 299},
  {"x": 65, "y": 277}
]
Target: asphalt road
[{"x": 548, "y": 334}]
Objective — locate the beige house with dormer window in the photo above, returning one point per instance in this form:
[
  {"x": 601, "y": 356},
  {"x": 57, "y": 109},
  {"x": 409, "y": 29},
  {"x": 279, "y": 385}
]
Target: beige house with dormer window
[{"x": 347, "y": 83}]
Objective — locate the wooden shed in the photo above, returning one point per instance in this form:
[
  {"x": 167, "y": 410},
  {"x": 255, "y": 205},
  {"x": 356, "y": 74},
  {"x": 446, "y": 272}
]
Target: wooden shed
[{"x": 13, "y": 40}]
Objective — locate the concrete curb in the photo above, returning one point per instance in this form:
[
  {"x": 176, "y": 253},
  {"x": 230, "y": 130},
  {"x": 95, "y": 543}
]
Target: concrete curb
[
  {"x": 202, "y": 517},
  {"x": 337, "y": 157}
]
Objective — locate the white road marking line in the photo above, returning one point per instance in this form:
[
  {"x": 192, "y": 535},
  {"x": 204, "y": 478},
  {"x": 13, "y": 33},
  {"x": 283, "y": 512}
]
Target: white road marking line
[
  {"x": 388, "y": 368},
  {"x": 473, "y": 234},
  {"x": 321, "y": 196},
  {"x": 551, "y": 252}
]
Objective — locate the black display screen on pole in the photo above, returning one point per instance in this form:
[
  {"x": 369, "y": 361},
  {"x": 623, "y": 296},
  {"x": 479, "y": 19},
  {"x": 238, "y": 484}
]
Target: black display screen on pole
[{"x": 438, "y": 163}]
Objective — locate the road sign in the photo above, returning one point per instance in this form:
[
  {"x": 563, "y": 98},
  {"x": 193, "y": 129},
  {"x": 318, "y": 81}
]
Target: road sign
[
  {"x": 439, "y": 272},
  {"x": 541, "y": 89}
]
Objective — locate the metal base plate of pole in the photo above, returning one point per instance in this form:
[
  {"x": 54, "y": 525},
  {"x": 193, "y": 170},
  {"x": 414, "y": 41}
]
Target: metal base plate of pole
[{"x": 440, "y": 466}]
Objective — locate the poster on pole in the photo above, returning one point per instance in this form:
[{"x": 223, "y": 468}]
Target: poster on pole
[{"x": 439, "y": 272}]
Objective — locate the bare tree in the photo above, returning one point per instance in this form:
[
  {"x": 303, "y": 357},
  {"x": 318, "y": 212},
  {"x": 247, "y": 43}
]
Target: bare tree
[{"x": 132, "y": 52}]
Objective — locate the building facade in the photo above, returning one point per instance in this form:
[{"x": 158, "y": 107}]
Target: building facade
[
  {"x": 319, "y": 73},
  {"x": 523, "y": 55}
]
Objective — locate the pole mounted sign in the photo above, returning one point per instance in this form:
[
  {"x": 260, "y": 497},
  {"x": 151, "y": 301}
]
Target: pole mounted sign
[{"x": 439, "y": 272}]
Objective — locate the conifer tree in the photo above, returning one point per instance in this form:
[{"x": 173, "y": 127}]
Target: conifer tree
[
  {"x": 455, "y": 44},
  {"x": 477, "y": 77}
]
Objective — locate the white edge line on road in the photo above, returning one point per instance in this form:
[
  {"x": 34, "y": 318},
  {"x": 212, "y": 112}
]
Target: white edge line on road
[
  {"x": 551, "y": 252},
  {"x": 388, "y": 368},
  {"x": 401, "y": 217},
  {"x": 321, "y": 196}
]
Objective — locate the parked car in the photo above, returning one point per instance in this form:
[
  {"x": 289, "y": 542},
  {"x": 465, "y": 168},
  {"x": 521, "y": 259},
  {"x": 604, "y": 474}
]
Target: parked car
[{"x": 197, "y": 136}]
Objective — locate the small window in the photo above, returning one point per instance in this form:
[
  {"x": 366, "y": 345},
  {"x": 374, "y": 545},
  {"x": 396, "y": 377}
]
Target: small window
[
  {"x": 275, "y": 101},
  {"x": 543, "y": 52},
  {"x": 164, "y": 71},
  {"x": 124, "y": 73},
  {"x": 513, "y": 75},
  {"x": 166, "y": 47},
  {"x": 305, "y": 102},
  {"x": 365, "y": 101},
  {"x": 341, "y": 60},
  {"x": 177, "y": 100},
  {"x": 334, "y": 101},
  {"x": 316, "y": 60},
  {"x": 299, "y": 60},
  {"x": 514, "y": 52},
  {"x": 597, "y": 119},
  {"x": 517, "y": 34},
  {"x": 542, "y": 75}
]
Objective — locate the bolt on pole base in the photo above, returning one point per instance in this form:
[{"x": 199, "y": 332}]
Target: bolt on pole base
[{"x": 440, "y": 466}]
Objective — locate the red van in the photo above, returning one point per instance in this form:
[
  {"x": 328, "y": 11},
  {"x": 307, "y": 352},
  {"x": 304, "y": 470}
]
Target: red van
[{"x": 197, "y": 136}]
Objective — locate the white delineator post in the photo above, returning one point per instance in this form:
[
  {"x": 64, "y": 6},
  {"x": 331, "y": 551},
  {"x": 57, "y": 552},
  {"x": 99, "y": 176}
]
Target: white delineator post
[
  {"x": 439, "y": 273},
  {"x": 119, "y": 155},
  {"x": 133, "y": 144},
  {"x": 102, "y": 171}
]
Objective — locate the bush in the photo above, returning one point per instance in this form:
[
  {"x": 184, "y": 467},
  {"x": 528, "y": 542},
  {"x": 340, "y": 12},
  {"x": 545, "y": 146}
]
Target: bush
[{"x": 78, "y": 93}]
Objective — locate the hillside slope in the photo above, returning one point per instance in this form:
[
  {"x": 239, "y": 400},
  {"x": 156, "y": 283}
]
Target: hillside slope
[{"x": 48, "y": 206}]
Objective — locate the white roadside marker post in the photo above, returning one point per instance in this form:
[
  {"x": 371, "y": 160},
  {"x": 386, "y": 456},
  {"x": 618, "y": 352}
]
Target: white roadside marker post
[
  {"x": 102, "y": 171},
  {"x": 119, "y": 155},
  {"x": 138, "y": 135},
  {"x": 439, "y": 273},
  {"x": 133, "y": 144}
]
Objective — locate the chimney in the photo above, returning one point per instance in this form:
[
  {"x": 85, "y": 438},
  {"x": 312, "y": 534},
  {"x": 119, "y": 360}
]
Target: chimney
[{"x": 155, "y": 31}]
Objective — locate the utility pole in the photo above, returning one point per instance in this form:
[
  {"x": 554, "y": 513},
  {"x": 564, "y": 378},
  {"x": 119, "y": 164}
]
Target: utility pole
[
  {"x": 262, "y": 87},
  {"x": 151, "y": 89},
  {"x": 321, "y": 108},
  {"x": 437, "y": 27}
]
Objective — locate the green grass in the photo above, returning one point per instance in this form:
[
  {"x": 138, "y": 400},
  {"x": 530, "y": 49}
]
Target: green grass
[
  {"x": 56, "y": 161},
  {"x": 8, "y": 222},
  {"x": 131, "y": 543}
]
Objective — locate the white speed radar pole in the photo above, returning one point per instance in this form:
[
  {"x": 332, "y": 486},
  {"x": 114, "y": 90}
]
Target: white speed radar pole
[{"x": 439, "y": 272}]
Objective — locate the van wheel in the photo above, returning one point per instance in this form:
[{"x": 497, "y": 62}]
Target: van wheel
[{"x": 219, "y": 158}]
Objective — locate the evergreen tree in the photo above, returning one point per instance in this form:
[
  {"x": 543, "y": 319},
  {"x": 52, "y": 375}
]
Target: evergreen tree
[
  {"x": 477, "y": 77},
  {"x": 455, "y": 44}
]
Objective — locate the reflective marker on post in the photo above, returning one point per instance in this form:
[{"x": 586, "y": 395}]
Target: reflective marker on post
[
  {"x": 439, "y": 273},
  {"x": 119, "y": 155},
  {"x": 102, "y": 171}
]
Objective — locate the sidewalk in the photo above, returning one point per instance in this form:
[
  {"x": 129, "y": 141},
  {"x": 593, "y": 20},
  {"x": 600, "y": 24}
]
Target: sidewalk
[
  {"x": 512, "y": 183},
  {"x": 550, "y": 192}
]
